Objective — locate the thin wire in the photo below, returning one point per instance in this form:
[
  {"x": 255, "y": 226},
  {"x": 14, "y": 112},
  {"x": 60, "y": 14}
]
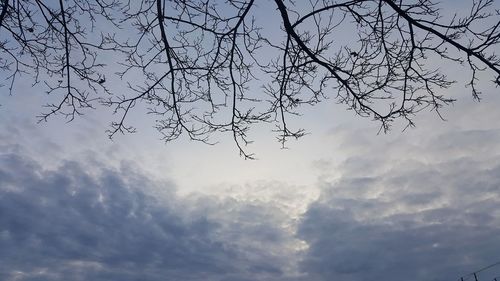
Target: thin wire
[
  {"x": 488, "y": 267},
  {"x": 468, "y": 276}
]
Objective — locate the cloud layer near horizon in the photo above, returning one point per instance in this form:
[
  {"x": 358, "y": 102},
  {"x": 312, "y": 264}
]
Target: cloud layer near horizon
[
  {"x": 402, "y": 211},
  {"x": 430, "y": 215},
  {"x": 72, "y": 224}
]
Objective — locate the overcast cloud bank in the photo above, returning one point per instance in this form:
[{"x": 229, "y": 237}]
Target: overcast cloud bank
[
  {"x": 71, "y": 224},
  {"x": 402, "y": 211}
]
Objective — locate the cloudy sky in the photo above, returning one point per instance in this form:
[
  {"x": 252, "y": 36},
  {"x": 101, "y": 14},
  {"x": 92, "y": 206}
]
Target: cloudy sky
[{"x": 342, "y": 203}]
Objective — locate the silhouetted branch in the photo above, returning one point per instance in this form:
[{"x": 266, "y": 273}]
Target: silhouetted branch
[{"x": 192, "y": 64}]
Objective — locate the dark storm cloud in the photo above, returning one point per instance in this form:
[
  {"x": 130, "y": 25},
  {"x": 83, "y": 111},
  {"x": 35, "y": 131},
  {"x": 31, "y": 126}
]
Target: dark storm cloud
[
  {"x": 401, "y": 211},
  {"x": 73, "y": 224}
]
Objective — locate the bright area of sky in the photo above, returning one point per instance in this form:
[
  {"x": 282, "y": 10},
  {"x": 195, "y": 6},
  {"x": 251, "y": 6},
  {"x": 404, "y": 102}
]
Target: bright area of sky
[{"x": 342, "y": 203}]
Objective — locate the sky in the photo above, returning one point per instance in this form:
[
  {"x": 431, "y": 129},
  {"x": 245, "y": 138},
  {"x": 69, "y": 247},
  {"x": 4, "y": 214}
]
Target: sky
[{"x": 342, "y": 203}]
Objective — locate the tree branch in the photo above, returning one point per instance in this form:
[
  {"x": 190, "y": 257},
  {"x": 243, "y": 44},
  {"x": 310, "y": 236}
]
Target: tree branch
[{"x": 5, "y": 6}]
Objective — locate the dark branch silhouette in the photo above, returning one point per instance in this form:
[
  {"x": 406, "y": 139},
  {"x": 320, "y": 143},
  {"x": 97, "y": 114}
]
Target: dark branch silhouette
[{"x": 193, "y": 64}]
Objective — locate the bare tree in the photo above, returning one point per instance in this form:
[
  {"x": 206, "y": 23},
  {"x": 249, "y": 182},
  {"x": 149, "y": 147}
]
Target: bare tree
[{"x": 198, "y": 60}]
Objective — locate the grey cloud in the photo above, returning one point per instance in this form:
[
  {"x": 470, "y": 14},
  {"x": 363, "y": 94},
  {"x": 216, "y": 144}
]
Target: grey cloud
[
  {"x": 424, "y": 212},
  {"x": 72, "y": 224}
]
